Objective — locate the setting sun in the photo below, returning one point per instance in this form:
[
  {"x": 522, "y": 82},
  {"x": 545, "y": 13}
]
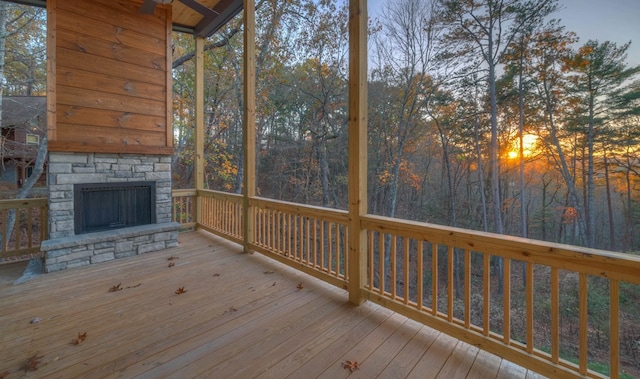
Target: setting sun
[{"x": 529, "y": 142}]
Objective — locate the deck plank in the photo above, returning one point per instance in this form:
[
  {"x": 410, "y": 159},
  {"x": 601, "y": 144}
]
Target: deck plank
[
  {"x": 459, "y": 362},
  {"x": 242, "y": 316},
  {"x": 434, "y": 358}
]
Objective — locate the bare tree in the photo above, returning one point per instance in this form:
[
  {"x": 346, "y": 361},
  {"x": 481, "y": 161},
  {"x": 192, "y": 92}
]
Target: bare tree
[{"x": 486, "y": 28}]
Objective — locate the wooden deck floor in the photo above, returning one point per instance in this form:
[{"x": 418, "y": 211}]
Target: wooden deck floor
[{"x": 241, "y": 316}]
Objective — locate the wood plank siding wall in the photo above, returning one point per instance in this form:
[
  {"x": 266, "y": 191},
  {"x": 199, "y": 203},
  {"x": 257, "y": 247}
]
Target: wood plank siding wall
[{"x": 109, "y": 77}]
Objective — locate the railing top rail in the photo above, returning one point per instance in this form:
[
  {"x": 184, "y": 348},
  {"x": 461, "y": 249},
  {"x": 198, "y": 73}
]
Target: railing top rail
[
  {"x": 581, "y": 259},
  {"x": 336, "y": 215},
  {"x": 23, "y": 203},
  {"x": 184, "y": 192},
  {"x": 231, "y": 197}
]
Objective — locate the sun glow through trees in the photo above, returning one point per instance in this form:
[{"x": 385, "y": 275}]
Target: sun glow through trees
[{"x": 529, "y": 143}]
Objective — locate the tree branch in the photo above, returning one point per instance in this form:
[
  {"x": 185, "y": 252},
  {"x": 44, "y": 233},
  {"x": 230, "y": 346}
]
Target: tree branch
[{"x": 209, "y": 46}]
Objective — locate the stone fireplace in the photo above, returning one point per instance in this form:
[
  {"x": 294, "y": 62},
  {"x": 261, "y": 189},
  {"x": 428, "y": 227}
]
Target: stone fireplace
[{"x": 107, "y": 206}]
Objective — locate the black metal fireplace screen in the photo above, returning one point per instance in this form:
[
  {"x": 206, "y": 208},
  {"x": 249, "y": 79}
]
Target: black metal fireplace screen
[{"x": 106, "y": 206}]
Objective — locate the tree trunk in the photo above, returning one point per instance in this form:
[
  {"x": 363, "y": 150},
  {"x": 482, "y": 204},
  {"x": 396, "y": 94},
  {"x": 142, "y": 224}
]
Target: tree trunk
[
  {"x": 564, "y": 169},
  {"x": 28, "y": 184},
  {"x": 612, "y": 234},
  {"x": 483, "y": 198},
  {"x": 591, "y": 219}
]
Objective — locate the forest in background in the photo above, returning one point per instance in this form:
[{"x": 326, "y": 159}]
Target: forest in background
[{"x": 487, "y": 115}]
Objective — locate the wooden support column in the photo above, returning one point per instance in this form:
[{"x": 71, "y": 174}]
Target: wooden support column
[
  {"x": 199, "y": 137},
  {"x": 249, "y": 118},
  {"x": 357, "y": 147}
]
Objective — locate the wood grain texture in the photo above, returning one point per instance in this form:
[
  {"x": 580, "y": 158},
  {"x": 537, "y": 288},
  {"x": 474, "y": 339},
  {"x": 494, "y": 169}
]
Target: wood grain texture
[
  {"x": 112, "y": 79},
  {"x": 242, "y": 316}
]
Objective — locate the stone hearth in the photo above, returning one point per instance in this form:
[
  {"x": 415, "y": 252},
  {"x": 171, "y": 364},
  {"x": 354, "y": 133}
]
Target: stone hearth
[{"x": 65, "y": 249}]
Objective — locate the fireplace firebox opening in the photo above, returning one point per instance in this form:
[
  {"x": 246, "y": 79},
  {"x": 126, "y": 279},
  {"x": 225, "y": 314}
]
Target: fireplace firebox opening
[{"x": 108, "y": 206}]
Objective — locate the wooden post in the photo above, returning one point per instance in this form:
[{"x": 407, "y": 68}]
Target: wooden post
[
  {"x": 199, "y": 137},
  {"x": 357, "y": 147},
  {"x": 52, "y": 39},
  {"x": 249, "y": 127}
]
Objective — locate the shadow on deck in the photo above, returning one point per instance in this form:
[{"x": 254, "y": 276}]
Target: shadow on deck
[{"x": 241, "y": 316}]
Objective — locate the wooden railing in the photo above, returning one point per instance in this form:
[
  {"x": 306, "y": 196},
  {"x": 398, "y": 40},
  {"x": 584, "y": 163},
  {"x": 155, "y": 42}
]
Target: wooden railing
[
  {"x": 312, "y": 239},
  {"x": 23, "y": 226},
  {"x": 221, "y": 214},
  {"x": 183, "y": 208},
  {"x": 510, "y": 296},
  {"x": 465, "y": 283}
]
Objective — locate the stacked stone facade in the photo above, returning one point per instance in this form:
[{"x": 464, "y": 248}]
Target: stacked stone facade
[{"x": 64, "y": 249}]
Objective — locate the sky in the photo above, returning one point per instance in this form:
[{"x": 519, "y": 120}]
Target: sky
[{"x": 614, "y": 20}]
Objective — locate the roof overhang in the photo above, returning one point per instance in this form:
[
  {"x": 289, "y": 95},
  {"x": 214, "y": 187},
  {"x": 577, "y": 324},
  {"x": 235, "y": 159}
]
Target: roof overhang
[
  {"x": 204, "y": 17},
  {"x": 198, "y": 17}
]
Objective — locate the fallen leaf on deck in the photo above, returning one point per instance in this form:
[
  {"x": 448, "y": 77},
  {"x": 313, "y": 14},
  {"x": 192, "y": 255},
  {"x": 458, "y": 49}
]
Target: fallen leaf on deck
[
  {"x": 351, "y": 366},
  {"x": 216, "y": 275},
  {"x": 171, "y": 264},
  {"x": 81, "y": 337},
  {"x": 180, "y": 290},
  {"x": 116, "y": 288},
  {"x": 33, "y": 362},
  {"x": 299, "y": 286},
  {"x": 172, "y": 258}
]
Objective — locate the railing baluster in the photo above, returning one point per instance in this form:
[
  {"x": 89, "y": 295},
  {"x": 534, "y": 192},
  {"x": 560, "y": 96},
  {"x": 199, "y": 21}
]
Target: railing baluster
[
  {"x": 315, "y": 242},
  {"x": 450, "y": 282},
  {"x": 467, "y": 288},
  {"x": 323, "y": 248},
  {"x": 486, "y": 288},
  {"x": 382, "y": 255},
  {"x": 371, "y": 262},
  {"x": 555, "y": 316},
  {"x": 330, "y": 241},
  {"x": 406, "y": 270},
  {"x": 584, "y": 323},
  {"x": 506, "y": 299},
  {"x": 434, "y": 278},
  {"x": 345, "y": 251},
  {"x": 420, "y": 273},
  {"x": 393, "y": 266},
  {"x": 289, "y": 230},
  {"x": 338, "y": 250},
  {"x": 529, "y": 300},
  {"x": 297, "y": 250},
  {"x": 614, "y": 328}
]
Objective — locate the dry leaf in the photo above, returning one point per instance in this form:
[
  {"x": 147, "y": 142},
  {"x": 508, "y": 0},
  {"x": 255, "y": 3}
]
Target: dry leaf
[
  {"x": 81, "y": 337},
  {"x": 180, "y": 290},
  {"x": 216, "y": 275},
  {"x": 33, "y": 362},
  {"x": 116, "y": 288},
  {"x": 299, "y": 286},
  {"x": 171, "y": 264},
  {"x": 351, "y": 366},
  {"x": 172, "y": 258}
]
